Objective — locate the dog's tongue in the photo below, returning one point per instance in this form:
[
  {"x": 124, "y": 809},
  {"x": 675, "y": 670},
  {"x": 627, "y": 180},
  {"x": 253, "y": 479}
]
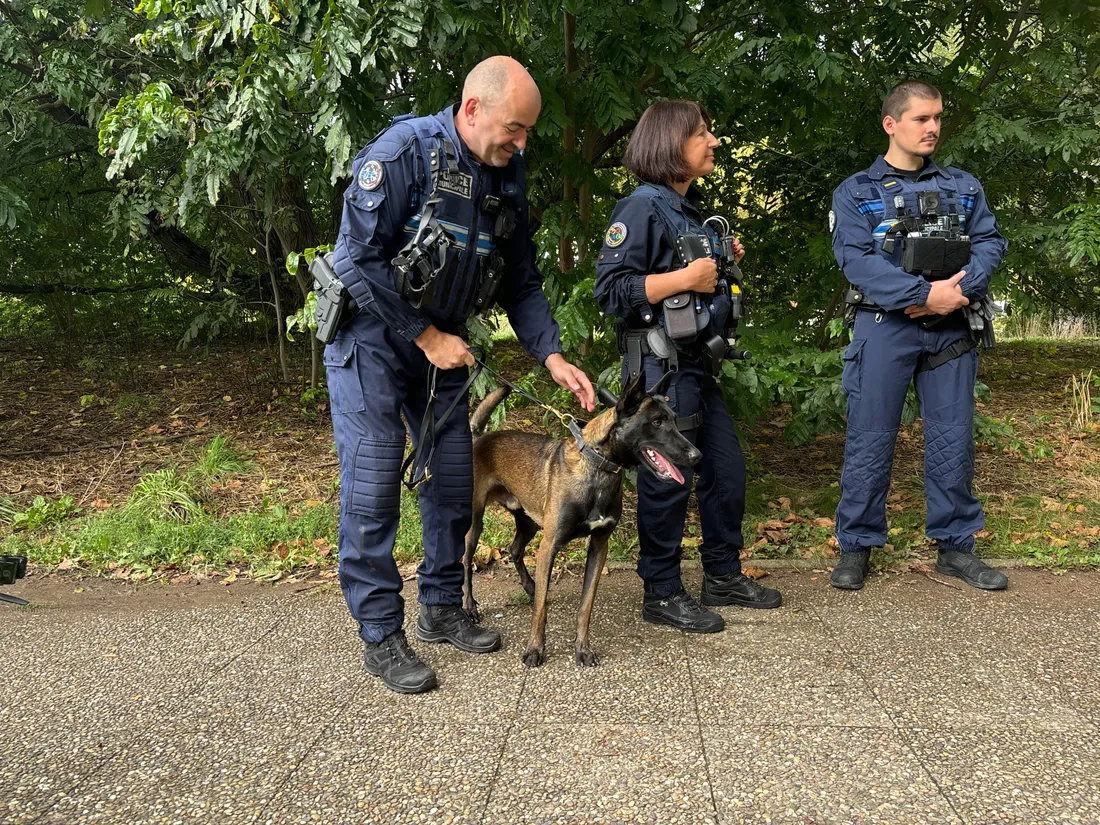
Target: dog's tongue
[{"x": 668, "y": 467}]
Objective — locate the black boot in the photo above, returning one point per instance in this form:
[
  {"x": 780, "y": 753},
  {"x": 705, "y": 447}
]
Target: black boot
[
  {"x": 450, "y": 623},
  {"x": 851, "y": 570},
  {"x": 970, "y": 569},
  {"x": 682, "y": 611},
  {"x": 740, "y": 590},
  {"x": 398, "y": 665}
]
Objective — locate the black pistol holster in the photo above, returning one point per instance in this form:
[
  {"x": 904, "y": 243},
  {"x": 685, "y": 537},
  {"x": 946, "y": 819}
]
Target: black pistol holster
[{"x": 335, "y": 306}]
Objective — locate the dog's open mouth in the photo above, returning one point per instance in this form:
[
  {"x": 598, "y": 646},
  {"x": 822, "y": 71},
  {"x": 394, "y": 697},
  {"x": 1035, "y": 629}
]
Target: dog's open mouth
[{"x": 664, "y": 469}]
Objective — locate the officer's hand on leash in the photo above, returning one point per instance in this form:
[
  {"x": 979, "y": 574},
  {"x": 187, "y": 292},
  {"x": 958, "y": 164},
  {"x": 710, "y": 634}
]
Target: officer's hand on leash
[
  {"x": 573, "y": 379},
  {"x": 444, "y": 350},
  {"x": 943, "y": 298},
  {"x": 701, "y": 275}
]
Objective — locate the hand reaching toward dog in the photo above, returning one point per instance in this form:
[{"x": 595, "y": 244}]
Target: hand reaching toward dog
[{"x": 573, "y": 379}]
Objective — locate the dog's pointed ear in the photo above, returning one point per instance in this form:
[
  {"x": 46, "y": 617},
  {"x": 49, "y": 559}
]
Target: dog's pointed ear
[
  {"x": 661, "y": 387},
  {"x": 632, "y": 397}
]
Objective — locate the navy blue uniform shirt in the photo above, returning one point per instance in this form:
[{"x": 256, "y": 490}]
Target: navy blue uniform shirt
[
  {"x": 863, "y": 210},
  {"x": 389, "y": 184},
  {"x": 637, "y": 244}
]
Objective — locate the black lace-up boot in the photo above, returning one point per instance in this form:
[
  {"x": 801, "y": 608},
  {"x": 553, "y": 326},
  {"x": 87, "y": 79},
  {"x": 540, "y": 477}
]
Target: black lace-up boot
[
  {"x": 450, "y": 623},
  {"x": 398, "y": 665},
  {"x": 682, "y": 611}
]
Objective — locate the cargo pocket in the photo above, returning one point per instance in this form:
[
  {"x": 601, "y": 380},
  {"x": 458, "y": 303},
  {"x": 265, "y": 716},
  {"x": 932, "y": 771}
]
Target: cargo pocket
[
  {"x": 345, "y": 387},
  {"x": 853, "y": 369}
]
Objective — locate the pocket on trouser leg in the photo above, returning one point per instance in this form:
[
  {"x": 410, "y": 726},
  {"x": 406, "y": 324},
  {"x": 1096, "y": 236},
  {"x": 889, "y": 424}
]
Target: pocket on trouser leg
[
  {"x": 852, "y": 376},
  {"x": 376, "y": 478},
  {"x": 345, "y": 387}
]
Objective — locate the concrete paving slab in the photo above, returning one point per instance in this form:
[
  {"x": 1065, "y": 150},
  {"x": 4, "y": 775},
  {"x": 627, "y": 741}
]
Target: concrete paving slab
[
  {"x": 1022, "y": 777},
  {"x": 968, "y": 690},
  {"x": 642, "y": 679},
  {"x": 782, "y": 775},
  {"x": 602, "y": 773},
  {"x": 436, "y": 770},
  {"x": 77, "y": 703},
  {"x": 808, "y": 686},
  {"x": 224, "y": 752}
]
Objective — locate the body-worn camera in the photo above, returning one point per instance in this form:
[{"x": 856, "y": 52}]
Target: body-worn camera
[{"x": 504, "y": 218}]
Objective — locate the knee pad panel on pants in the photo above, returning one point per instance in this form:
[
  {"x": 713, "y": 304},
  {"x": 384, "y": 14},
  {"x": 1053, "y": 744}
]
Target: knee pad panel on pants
[
  {"x": 453, "y": 467},
  {"x": 376, "y": 478},
  {"x": 948, "y": 451},
  {"x": 868, "y": 459}
]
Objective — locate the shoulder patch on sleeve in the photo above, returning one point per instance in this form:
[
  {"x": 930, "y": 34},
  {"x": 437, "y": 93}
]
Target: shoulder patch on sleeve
[
  {"x": 832, "y": 221},
  {"x": 370, "y": 175},
  {"x": 616, "y": 234}
]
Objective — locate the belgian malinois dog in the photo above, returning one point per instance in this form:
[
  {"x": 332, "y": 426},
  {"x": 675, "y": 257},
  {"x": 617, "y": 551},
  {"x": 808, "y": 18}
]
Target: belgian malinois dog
[{"x": 569, "y": 492}]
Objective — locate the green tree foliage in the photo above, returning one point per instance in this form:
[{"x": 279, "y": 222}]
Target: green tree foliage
[{"x": 225, "y": 132}]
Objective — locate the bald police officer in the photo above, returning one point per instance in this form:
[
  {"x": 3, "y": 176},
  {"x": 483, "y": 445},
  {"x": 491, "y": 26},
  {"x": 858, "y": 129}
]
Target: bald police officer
[
  {"x": 435, "y": 228},
  {"x": 910, "y": 326}
]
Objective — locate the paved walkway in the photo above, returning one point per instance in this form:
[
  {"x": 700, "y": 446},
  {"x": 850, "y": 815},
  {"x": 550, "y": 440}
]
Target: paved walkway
[{"x": 911, "y": 702}]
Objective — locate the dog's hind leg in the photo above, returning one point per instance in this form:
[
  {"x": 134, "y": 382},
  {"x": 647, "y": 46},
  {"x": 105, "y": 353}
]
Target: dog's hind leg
[
  {"x": 476, "y": 526},
  {"x": 525, "y": 531},
  {"x": 535, "y": 653},
  {"x": 597, "y": 557}
]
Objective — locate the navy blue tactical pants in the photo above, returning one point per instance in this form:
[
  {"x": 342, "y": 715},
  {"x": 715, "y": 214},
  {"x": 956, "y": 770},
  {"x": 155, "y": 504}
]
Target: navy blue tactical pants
[
  {"x": 719, "y": 486},
  {"x": 878, "y": 367},
  {"x": 375, "y": 376}
]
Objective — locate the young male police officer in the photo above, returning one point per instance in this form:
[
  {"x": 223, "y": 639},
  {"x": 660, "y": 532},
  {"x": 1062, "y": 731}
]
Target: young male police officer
[
  {"x": 445, "y": 194},
  {"x": 909, "y": 327}
]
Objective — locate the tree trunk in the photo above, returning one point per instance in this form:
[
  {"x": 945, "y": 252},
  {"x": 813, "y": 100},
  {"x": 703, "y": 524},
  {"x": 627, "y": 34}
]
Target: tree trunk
[
  {"x": 298, "y": 232},
  {"x": 830, "y": 313},
  {"x": 280, "y": 325},
  {"x": 566, "y": 258}
]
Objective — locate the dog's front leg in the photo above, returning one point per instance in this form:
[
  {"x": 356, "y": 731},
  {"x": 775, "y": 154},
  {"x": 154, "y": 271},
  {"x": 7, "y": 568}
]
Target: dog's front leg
[
  {"x": 597, "y": 557},
  {"x": 476, "y": 524},
  {"x": 535, "y": 654}
]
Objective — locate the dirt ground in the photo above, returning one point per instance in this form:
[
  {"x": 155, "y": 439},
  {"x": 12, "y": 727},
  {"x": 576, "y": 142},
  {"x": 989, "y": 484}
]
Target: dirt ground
[{"x": 90, "y": 426}]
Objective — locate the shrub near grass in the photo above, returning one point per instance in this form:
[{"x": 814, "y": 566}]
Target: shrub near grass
[{"x": 164, "y": 526}]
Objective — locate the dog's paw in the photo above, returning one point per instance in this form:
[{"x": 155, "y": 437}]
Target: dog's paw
[
  {"x": 533, "y": 657},
  {"x": 470, "y": 609},
  {"x": 588, "y": 658},
  {"x": 529, "y": 589}
]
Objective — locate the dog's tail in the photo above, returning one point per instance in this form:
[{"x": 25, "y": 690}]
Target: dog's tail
[{"x": 485, "y": 409}]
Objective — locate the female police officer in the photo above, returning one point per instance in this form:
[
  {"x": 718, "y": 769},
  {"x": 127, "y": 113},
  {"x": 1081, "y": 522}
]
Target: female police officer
[{"x": 668, "y": 310}]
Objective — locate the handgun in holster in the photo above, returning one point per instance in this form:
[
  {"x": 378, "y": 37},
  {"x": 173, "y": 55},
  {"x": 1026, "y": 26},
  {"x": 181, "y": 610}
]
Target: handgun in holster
[{"x": 335, "y": 306}]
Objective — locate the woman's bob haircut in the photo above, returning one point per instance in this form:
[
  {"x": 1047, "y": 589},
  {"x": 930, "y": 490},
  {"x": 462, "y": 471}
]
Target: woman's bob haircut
[{"x": 655, "y": 152}]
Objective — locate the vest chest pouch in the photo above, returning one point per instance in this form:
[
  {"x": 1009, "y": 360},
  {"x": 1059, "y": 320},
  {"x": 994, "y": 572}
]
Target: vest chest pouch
[{"x": 685, "y": 315}]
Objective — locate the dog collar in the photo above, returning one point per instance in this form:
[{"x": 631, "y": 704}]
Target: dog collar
[{"x": 589, "y": 452}]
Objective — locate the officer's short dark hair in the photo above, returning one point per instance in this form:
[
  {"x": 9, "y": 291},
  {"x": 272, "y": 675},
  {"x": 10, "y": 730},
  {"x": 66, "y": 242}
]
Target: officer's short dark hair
[
  {"x": 898, "y": 100},
  {"x": 655, "y": 152}
]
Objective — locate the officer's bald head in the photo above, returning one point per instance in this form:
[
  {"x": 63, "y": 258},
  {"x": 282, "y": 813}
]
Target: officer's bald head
[{"x": 500, "y": 103}]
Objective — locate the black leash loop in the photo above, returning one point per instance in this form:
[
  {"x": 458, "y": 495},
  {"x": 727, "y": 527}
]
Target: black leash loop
[{"x": 415, "y": 472}]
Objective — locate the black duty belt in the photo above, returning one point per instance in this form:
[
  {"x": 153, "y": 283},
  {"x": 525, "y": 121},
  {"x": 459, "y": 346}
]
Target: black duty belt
[{"x": 927, "y": 361}]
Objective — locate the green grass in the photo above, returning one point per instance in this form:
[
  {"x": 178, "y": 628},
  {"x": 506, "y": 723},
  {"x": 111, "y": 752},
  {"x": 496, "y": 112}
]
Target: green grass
[
  {"x": 218, "y": 459},
  {"x": 268, "y": 543}
]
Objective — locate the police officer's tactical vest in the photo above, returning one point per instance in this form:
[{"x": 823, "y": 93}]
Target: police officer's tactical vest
[
  {"x": 454, "y": 269},
  {"x": 876, "y": 200},
  {"x": 674, "y": 225}
]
